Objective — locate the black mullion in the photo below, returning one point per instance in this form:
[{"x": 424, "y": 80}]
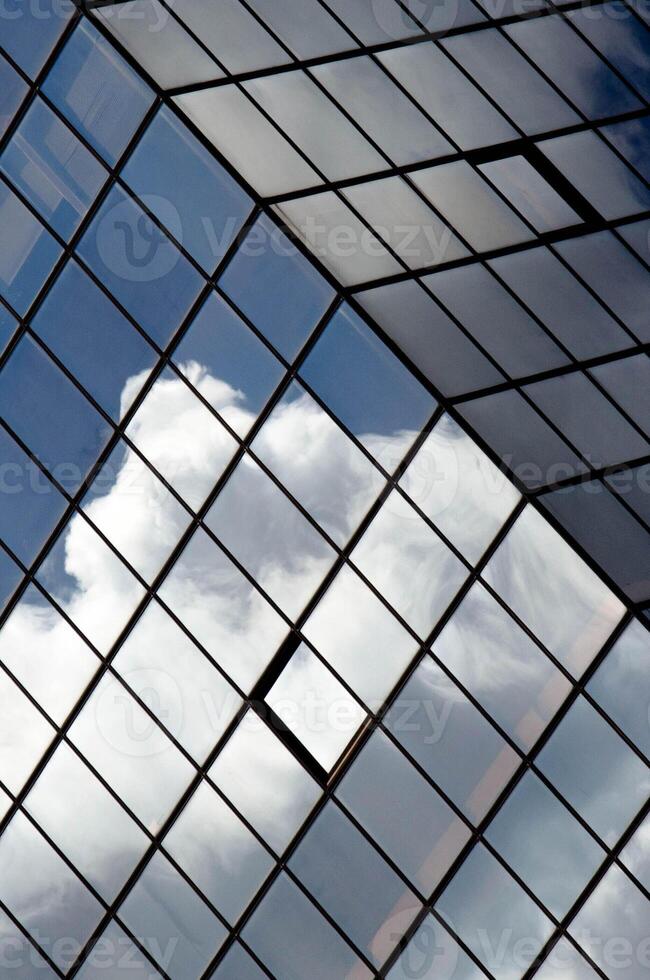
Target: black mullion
[{"x": 33, "y": 943}]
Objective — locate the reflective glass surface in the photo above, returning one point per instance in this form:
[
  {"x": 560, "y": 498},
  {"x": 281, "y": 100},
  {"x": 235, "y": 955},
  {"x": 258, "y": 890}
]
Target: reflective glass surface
[{"x": 27, "y": 252}]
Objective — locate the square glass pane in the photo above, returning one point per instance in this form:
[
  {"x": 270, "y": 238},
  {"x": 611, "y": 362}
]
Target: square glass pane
[
  {"x": 319, "y": 464},
  {"x": 501, "y": 667},
  {"x": 552, "y": 590},
  {"x": 453, "y": 742},
  {"x": 12, "y": 92},
  {"x": 251, "y": 144},
  {"x": 159, "y": 43},
  {"x": 404, "y": 558},
  {"x": 46, "y": 897},
  {"x": 471, "y": 206},
  {"x": 233, "y": 34},
  {"x": 218, "y": 852},
  {"x": 483, "y": 904},
  {"x": 595, "y": 771},
  {"x": 33, "y": 30},
  {"x": 243, "y": 371},
  {"x": 621, "y": 685},
  {"x": 96, "y": 834},
  {"x": 354, "y": 884},
  {"x": 402, "y": 812},
  {"x": 27, "y": 252},
  {"x": 391, "y": 119},
  {"x": 87, "y": 332},
  {"x": 294, "y": 941},
  {"x": 223, "y": 610},
  {"x": 447, "y": 95},
  {"x": 130, "y": 751},
  {"x": 315, "y": 706},
  {"x": 544, "y": 844},
  {"x": 50, "y": 415},
  {"x": 136, "y": 261},
  {"x": 45, "y": 654},
  {"x": 370, "y": 650},
  {"x": 167, "y": 916},
  {"x": 186, "y": 692},
  {"x": 532, "y": 196},
  {"x": 459, "y": 489},
  {"x": 181, "y": 437},
  {"x": 170, "y": 166},
  {"x": 289, "y": 297},
  {"x": 24, "y": 735},
  {"x": 102, "y": 96},
  {"x": 52, "y": 168},
  {"x": 269, "y": 536},
  {"x": 264, "y": 781}
]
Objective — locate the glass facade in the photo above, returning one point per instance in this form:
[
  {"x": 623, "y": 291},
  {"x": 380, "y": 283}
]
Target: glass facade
[{"x": 324, "y": 482}]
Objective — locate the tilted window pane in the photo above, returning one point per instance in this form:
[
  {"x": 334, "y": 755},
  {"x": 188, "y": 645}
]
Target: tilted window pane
[
  {"x": 620, "y": 38},
  {"x": 628, "y": 382},
  {"x": 24, "y": 735},
  {"x": 238, "y": 965},
  {"x": 12, "y": 91},
  {"x": 433, "y": 953},
  {"x": 31, "y": 31},
  {"x": 621, "y": 685},
  {"x": 24, "y": 957},
  {"x": 529, "y": 193},
  {"x": 28, "y": 252},
  {"x": 636, "y": 854},
  {"x": 116, "y": 957},
  {"x": 378, "y": 22},
  {"x": 304, "y": 26},
  {"x": 238, "y": 40},
  {"x": 632, "y": 139}
]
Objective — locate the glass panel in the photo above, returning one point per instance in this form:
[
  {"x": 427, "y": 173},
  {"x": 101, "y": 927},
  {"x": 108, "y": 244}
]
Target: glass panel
[
  {"x": 218, "y": 852},
  {"x": 315, "y": 124},
  {"x": 136, "y": 261},
  {"x": 44, "y": 894},
  {"x": 10, "y": 576},
  {"x": 268, "y": 786},
  {"x": 115, "y": 957},
  {"x": 458, "y": 488},
  {"x": 471, "y": 206},
  {"x": 622, "y": 684},
  {"x": 353, "y": 884},
  {"x": 578, "y": 72},
  {"x": 50, "y": 415},
  {"x": 495, "y": 320},
  {"x": 483, "y": 904},
  {"x": 22, "y": 956},
  {"x": 589, "y": 420},
  {"x": 315, "y": 706},
  {"x": 433, "y": 954},
  {"x": 535, "y": 571},
  {"x": 621, "y": 39},
  {"x": 45, "y": 654},
  {"x": 99, "y": 93},
  {"x": 242, "y": 371},
  {"x": 452, "y": 741},
  {"x": 615, "y": 276},
  {"x": 170, "y": 166},
  {"x": 94, "y": 340},
  {"x": 525, "y": 188},
  {"x": 369, "y": 650},
  {"x": 238, "y": 965},
  {"x": 294, "y": 940},
  {"x": 131, "y": 752},
  {"x": 170, "y": 920},
  {"x": 595, "y": 770},
  {"x": 384, "y": 112},
  {"x": 225, "y": 613},
  {"x": 135, "y": 511},
  {"x": 409, "y": 564},
  {"x": 252, "y": 145},
  {"x": 24, "y": 735},
  {"x": 52, "y": 168},
  {"x": 402, "y": 812},
  {"x": 184, "y": 690},
  {"x": 8, "y": 325},
  {"x": 304, "y": 26},
  {"x": 342, "y": 242},
  {"x": 401, "y": 218},
  {"x": 289, "y": 297},
  {"x": 33, "y": 30},
  {"x": 557, "y": 298},
  {"x": 598, "y": 174},
  {"x": 632, "y": 139},
  {"x": 96, "y": 834},
  {"x": 544, "y": 844},
  {"x": 636, "y": 854},
  {"x": 612, "y": 926},
  {"x": 501, "y": 667},
  {"x": 12, "y": 91},
  {"x": 238, "y": 40},
  {"x": 504, "y": 73},
  {"x": 260, "y": 526},
  {"x": 185, "y": 442},
  {"x": 27, "y": 252},
  {"x": 447, "y": 95},
  {"x": 319, "y": 464},
  {"x": 159, "y": 44},
  {"x": 377, "y": 22},
  {"x": 565, "y": 961},
  {"x": 424, "y": 332}
]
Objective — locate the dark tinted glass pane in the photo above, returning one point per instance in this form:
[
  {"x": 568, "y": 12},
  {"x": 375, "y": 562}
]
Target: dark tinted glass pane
[
  {"x": 32, "y": 29},
  {"x": 276, "y": 287},
  {"x": 632, "y": 139},
  {"x": 628, "y": 382},
  {"x": 621, "y": 38}
]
